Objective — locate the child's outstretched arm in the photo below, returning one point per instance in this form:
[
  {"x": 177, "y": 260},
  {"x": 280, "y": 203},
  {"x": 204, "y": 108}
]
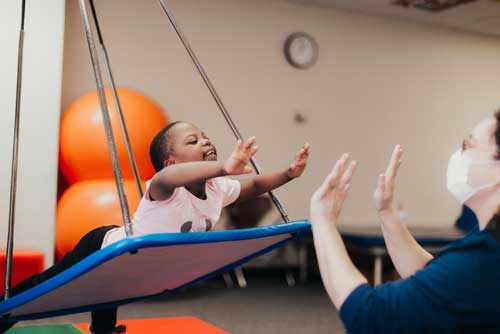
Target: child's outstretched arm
[
  {"x": 165, "y": 181},
  {"x": 261, "y": 184}
]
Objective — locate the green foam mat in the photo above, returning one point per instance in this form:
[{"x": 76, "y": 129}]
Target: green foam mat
[{"x": 51, "y": 329}]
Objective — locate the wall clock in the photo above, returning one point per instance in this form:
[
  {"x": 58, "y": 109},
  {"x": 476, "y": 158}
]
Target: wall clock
[{"x": 301, "y": 50}]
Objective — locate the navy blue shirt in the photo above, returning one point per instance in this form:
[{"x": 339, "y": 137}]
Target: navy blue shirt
[
  {"x": 467, "y": 219},
  {"x": 456, "y": 292}
]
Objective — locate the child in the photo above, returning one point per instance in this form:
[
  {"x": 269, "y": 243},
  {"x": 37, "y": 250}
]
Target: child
[{"x": 186, "y": 194}]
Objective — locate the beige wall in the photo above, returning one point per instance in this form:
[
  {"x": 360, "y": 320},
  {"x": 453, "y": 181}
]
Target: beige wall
[
  {"x": 40, "y": 110},
  {"x": 377, "y": 83}
]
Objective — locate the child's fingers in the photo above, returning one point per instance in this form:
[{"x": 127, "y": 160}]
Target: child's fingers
[
  {"x": 304, "y": 151},
  {"x": 253, "y": 150},
  {"x": 249, "y": 143},
  {"x": 300, "y": 163},
  {"x": 239, "y": 145},
  {"x": 247, "y": 170},
  {"x": 302, "y": 154},
  {"x": 299, "y": 154},
  {"x": 301, "y": 159},
  {"x": 307, "y": 148}
]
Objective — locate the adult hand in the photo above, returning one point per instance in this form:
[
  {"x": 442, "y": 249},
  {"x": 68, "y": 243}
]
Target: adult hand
[
  {"x": 327, "y": 201},
  {"x": 385, "y": 186}
]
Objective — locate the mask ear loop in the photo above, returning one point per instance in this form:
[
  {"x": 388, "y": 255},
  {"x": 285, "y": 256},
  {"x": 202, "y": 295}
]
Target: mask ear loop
[
  {"x": 491, "y": 184},
  {"x": 485, "y": 163},
  {"x": 481, "y": 162}
]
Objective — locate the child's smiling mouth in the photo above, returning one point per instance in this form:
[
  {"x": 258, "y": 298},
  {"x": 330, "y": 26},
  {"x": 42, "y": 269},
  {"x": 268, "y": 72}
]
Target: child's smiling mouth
[{"x": 210, "y": 154}]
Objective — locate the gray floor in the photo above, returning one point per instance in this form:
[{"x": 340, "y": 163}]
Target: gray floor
[{"x": 267, "y": 305}]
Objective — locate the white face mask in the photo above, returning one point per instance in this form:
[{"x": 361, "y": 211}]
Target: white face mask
[{"x": 458, "y": 174}]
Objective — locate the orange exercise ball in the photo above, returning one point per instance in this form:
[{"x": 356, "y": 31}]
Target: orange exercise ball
[
  {"x": 84, "y": 153},
  {"x": 89, "y": 204}
]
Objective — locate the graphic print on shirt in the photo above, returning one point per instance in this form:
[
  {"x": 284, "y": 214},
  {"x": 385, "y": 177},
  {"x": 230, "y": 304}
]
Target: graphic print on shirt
[{"x": 188, "y": 226}]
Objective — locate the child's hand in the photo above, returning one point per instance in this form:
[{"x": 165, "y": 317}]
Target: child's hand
[
  {"x": 297, "y": 167},
  {"x": 237, "y": 163}
]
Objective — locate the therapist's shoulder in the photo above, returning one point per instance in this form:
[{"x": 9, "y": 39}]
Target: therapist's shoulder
[{"x": 472, "y": 263}]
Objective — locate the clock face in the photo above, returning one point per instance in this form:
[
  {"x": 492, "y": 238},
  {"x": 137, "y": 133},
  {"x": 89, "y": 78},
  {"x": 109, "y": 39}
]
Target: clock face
[{"x": 301, "y": 50}]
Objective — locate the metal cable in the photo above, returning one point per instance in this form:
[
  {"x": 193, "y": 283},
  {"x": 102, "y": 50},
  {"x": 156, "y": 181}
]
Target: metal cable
[
  {"x": 107, "y": 120},
  {"x": 218, "y": 101},
  {"x": 126, "y": 137},
  {"x": 15, "y": 158}
]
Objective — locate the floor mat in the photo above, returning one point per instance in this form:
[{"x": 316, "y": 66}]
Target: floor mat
[
  {"x": 52, "y": 329},
  {"x": 177, "y": 325}
]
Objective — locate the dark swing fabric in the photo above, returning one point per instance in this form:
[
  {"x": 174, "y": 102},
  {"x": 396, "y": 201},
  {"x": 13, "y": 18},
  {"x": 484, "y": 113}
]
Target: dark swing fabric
[
  {"x": 457, "y": 292},
  {"x": 88, "y": 244}
]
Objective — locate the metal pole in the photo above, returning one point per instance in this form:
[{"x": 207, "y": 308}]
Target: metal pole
[
  {"x": 218, "y": 100},
  {"x": 15, "y": 156},
  {"x": 107, "y": 120},
  {"x": 126, "y": 137}
]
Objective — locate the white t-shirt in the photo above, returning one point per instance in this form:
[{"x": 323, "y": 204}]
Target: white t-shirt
[{"x": 181, "y": 212}]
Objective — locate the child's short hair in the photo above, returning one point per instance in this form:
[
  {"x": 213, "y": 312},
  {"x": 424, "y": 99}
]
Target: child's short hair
[{"x": 159, "y": 149}]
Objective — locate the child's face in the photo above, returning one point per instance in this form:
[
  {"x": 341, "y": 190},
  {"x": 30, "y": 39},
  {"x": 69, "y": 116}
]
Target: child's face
[{"x": 188, "y": 143}]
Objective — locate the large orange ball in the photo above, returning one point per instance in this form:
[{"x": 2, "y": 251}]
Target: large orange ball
[
  {"x": 89, "y": 204},
  {"x": 84, "y": 153}
]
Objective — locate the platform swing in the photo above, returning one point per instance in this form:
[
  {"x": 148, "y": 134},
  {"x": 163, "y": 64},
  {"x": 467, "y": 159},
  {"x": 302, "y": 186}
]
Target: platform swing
[{"x": 136, "y": 267}]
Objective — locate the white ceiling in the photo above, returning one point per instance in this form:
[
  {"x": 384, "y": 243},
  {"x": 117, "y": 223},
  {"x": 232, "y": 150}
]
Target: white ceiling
[{"x": 482, "y": 16}]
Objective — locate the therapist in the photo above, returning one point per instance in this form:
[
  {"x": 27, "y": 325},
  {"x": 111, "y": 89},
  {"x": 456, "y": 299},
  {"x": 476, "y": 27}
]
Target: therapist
[{"x": 458, "y": 290}]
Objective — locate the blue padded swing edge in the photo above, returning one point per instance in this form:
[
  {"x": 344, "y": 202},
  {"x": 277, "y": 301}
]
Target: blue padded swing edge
[{"x": 146, "y": 241}]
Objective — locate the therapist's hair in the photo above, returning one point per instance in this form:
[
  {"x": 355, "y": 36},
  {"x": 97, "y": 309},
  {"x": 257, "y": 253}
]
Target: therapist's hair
[
  {"x": 497, "y": 131},
  {"x": 495, "y": 221}
]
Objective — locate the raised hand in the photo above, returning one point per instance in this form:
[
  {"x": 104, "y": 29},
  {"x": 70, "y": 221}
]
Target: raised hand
[
  {"x": 238, "y": 160},
  {"x": 327, "y": 201},
  {"x": 385, "y": 186},
  {"x": 297, "y": 167}
]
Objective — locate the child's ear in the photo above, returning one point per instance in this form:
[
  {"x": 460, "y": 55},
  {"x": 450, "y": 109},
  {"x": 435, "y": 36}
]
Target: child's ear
[{"x": 168, "y": 162}]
